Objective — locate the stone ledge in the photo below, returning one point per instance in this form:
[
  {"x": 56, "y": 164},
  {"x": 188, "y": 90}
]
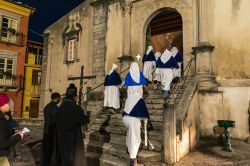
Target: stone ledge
[{"x": 234, "y": 83}]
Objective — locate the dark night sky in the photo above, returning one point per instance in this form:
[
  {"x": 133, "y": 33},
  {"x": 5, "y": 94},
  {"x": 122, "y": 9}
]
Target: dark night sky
[{"x": 47, "y": 12}]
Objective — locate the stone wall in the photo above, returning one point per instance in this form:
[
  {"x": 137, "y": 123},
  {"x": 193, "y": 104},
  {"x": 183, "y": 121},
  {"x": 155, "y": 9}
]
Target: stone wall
[
  {"x": 228, "y": 31},
  {"x": 230, "y": 103}
]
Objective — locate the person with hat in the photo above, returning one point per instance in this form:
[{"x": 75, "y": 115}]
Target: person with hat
[
  {"x": 7, "y": 140},
  {"x": 69, "y": 120},
  {"x": 111, "y": 92}
]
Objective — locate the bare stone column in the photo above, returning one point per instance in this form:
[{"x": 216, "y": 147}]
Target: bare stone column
[
  {"x": 203, "y": 51},
  {"x": 126, "y": 13},
  {"x": 169, "y": 134}
]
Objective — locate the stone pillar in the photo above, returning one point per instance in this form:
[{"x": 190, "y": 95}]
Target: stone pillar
[
  {"x": 203, "y": 50},
  {"x": 169, "y": 134},
  {"x": 99, "y": 46},
  {"x": 126, "y": 13}
]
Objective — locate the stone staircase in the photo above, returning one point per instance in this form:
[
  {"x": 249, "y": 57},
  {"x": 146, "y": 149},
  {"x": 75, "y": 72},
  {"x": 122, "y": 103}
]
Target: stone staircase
[{"x": 105, "y": 137}]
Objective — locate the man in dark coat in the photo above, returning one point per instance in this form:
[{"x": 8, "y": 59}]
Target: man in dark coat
[
  {"x": 68, "y": 123},
  {"x": 7, "y": 140},
  {"x": 49, "y": 146}
]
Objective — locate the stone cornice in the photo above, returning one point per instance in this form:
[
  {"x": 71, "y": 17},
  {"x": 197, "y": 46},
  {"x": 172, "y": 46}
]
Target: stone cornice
[
  {"x": 202, "y": 47},
  {"x": 16, "y": 8},
  {"x": 234, "y": 83}
]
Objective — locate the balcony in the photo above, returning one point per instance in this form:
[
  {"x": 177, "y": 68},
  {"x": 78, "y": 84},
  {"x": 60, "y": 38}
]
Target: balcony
[
  {"x": 11, "y": 81},
  {"x": 10, "y": 36}
]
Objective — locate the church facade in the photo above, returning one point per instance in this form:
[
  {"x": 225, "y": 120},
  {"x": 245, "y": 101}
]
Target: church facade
[{"x": 214, "y": 33}]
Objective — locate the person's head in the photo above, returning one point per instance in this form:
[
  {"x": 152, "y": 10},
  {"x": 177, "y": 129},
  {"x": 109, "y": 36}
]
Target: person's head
[
  {"x": 114, "y": 67},
  {"x": 55, "y": 97},
  {"x": 4, "y": 103},
  {"x": 135, "y": 72},
  {"x": 71, "y": 92}
]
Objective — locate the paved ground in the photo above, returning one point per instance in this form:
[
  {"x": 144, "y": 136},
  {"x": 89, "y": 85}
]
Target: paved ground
[{"x": 208, "y": 153}]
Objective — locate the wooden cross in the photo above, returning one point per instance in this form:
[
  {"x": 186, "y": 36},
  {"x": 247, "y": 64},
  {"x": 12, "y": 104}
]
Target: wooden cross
[{"x": 81, "y": 78}]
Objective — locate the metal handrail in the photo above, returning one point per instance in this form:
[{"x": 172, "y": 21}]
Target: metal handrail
[{"x": 182, "y": 76}]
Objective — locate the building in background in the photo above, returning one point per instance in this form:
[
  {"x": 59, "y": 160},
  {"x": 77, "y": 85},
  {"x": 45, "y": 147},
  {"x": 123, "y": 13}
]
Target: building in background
[
  {"x": 33, "y": 68},
  {"x": 14, "y": 20}
]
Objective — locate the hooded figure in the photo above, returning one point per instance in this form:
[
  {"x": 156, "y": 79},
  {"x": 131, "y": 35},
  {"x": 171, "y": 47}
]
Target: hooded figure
[
  {"x": 148, "y": 63},
  {"x": 178, "y": 58},
  {"x": 164, "y": 68},
  {"x": 157, "y": 76},
  {"x": 111, "y": 92},
  {"x": 135, "y": 110},
  {"x": 69, "y": 120}
]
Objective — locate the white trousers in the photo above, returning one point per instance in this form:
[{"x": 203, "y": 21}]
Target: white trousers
[
  {"x": 133, "y": 139},
  {"x": 147, "y": 70},
  {"x": 166, "y": 77},
  {"x": 112, "y": 97}
]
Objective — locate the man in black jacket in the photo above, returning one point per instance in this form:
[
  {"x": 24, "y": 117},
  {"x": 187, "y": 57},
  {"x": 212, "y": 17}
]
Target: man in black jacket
[
  {"x": 70, "y": 117},
  {"x": 7, "y": 140},
  {"x": 49, "y": 147}
]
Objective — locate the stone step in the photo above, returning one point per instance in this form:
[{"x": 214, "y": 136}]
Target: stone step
[
  {"x": 157, "y": 145},
  {"x": 100, "y": 120},
  {"x": 93, "y": 158},
  {"x": 155, "y": 106},
  {"x": 96, "y": 135},
  {"x": 156, "y": 118},
  {"x": 155, "y": 112},
  {"x": 153, "y": 135},
  {"x": 154, "y": 101},
  {"x": 109, "y": 160},
  {"x": 118, "y": 139},
  {"x": 153, "y": 91},
  {"x": 154, "y": 163},
  {"x": 147, "y": 156},
  {"x": 157, "y": 126},
  {"x": 116, "y": 122},
  {"x": 154, "y": 86},
  {"x": 96, "y": 146},
  {"x": 153, "y": 96},
  {"x": 97, "y": 127},
  {"x": 121, "y": 140}
]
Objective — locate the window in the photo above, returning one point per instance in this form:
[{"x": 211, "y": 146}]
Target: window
[
  {"x": 6, "y": 68},
  {"x": 9, "y": 29},
  {"x": 36, "y": 77},
  {"x": 71, "y": 49}
]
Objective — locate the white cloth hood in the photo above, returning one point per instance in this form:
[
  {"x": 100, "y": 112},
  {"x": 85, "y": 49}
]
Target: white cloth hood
[
  {"x": 166, "y": 56},
  {"x": 150, "y": 48},
  {"x": 135, "y": 72},
  {"x": 114, "y": 66},
  {"x": 174, "y": 51}
]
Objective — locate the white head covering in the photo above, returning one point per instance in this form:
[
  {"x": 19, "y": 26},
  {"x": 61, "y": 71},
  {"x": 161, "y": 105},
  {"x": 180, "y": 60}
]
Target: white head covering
[
  {"x": 174, "y": 51},
  {"x": 150, "y": 48},
  {"x": 157, "y": 55},
  {"x": 135, "y": 72},
  {"x": 114, "y": 66},
  {"x": 166, "y": 55}
]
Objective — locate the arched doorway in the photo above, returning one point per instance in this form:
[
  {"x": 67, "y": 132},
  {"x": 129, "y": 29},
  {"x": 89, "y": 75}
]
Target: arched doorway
[{"x": 165, "y": 30}]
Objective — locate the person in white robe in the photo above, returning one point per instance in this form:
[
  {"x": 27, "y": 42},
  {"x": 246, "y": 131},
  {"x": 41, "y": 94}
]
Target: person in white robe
[
  {"x": 164, "y": 68},
  {"x": 156, "y": 76},
  {"x": 134, "y": 111},
  {"x": 111, "y": 91},
  {"x": 178, "y": 58},
  {"x": 148, "y": 63}
]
